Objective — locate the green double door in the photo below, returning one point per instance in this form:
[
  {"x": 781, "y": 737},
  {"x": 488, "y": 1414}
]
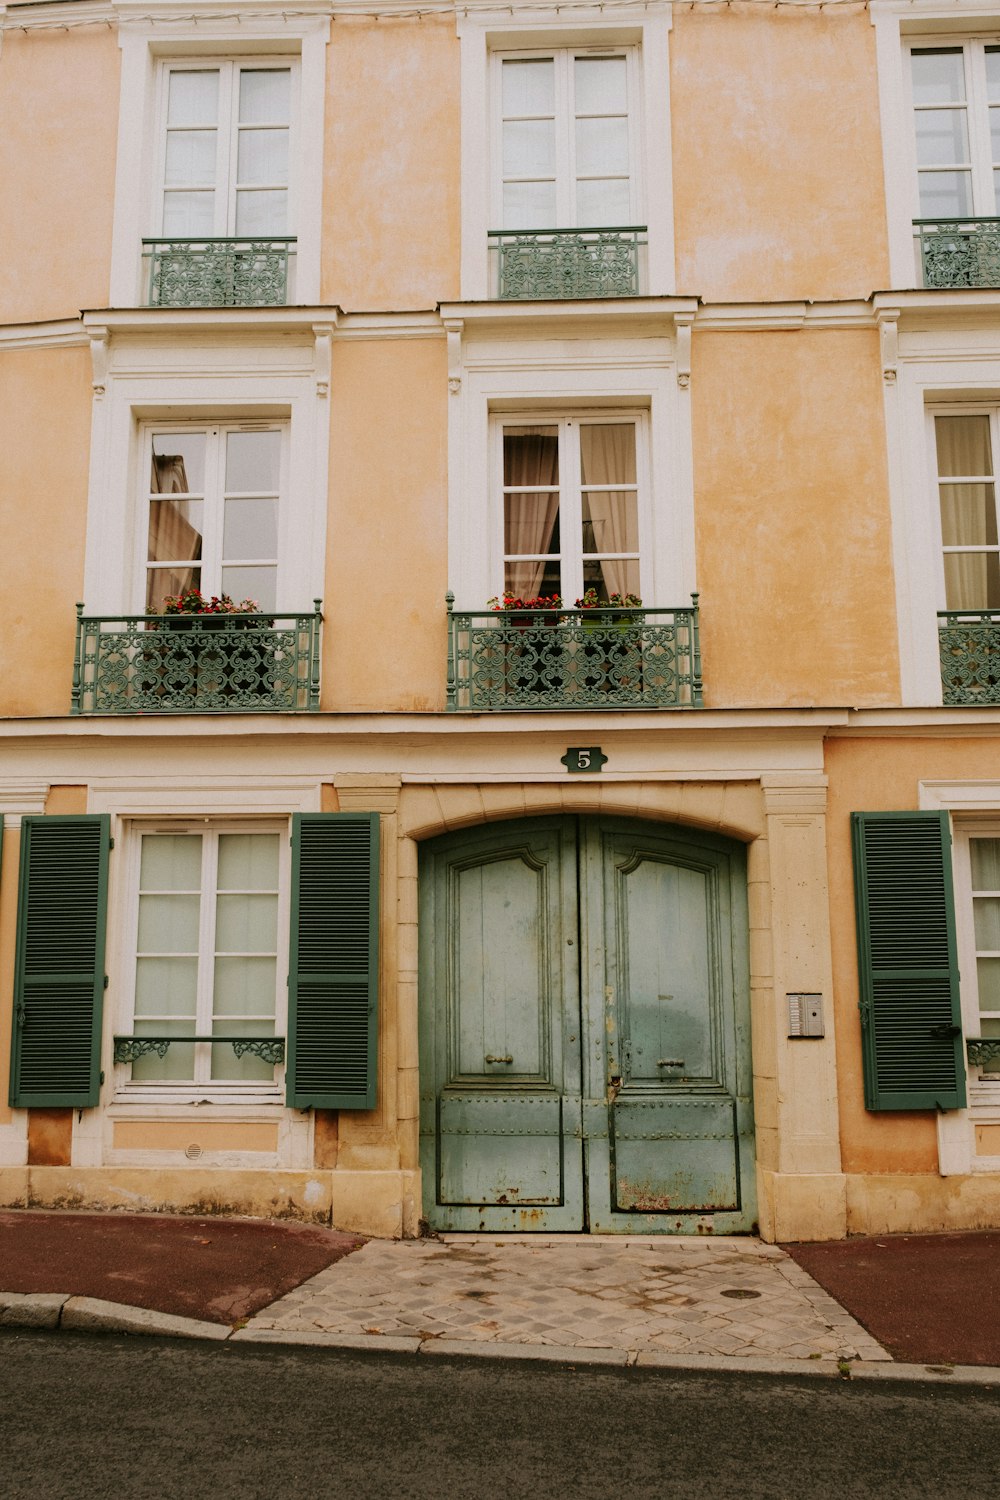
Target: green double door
[{"x": 585, "y": 1048}]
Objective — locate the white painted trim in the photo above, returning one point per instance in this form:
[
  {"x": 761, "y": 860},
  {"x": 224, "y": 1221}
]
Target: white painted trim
[
  {"x": 21, "y": 799},
  {"x": 899, "y": 166},
  {"x": 144, "y": 43},
  {"x": 64, "y": 334},
  {"x": 209, "y": 796},
  {"x": 482, "y": 32},
  {"x": 742, "y": 317},
  {"x": 170, "y": 379}
]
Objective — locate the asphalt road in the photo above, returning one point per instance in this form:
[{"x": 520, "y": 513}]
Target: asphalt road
[{"x": 84, "y": 1418}]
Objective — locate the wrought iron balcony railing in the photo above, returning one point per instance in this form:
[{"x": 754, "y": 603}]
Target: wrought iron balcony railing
[
  {"x": 573, "y": 658},
  {"x": 184, "y": 664},
  {"x": 129, "y": 1049},
  {"x": 218, "y": 272},
  {"x": 959, "y": 252},
  {"x": 555, "y": 263},
  {"x": 970, "y": 656}
]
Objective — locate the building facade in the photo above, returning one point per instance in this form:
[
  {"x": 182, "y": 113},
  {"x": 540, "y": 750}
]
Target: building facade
[{"x": 623, "y": 852}]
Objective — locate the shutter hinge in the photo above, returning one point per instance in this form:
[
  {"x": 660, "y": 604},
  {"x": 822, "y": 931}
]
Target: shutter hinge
[
  {"x": 102, "y": 1080},
  {"x": 105, "y": 981},
  {"x": 111, "y": 843}
]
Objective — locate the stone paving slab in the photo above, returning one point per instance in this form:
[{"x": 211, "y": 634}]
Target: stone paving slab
[{"x": 643, "y": 1295}]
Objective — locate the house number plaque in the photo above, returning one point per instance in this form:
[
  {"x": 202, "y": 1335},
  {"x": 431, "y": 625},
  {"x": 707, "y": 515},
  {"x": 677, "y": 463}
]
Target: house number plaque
[{"x": 584, "y": 758}]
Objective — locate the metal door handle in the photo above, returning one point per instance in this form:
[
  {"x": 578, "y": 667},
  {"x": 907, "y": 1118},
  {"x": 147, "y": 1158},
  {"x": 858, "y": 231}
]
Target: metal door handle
[
  {"x": 670, "y": 1062},
  {"x": 490, "y": 1058}
]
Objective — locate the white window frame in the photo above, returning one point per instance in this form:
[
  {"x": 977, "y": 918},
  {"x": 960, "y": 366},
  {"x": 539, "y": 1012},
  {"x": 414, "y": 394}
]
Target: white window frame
[
  {"x": 213, "y": 503},
  {"x": 271, "y": 380},
  {"x": 900, "y": 26},
  {"x": 644, "y": 30},
  {"x": 571, "y": 488},
  {"x": 229, "y": 69},
  {"x": 984, "y": 1088},
  {"x": 956, "y": 409},
  {"x": 499, "y": 373},
  {"x": 147, "y": 44},
  {"x": 564, "y": 58},
  {"x": 193, "y": 1091}
]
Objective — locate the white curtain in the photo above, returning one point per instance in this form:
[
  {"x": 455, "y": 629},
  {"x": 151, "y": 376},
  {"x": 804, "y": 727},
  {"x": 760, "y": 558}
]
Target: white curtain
[
  {"x": 172, "y": 537},
  {"x": 607, "y": 454},
  {"x": 968, "y": 511},
  {"x": 531, "y": 457}
]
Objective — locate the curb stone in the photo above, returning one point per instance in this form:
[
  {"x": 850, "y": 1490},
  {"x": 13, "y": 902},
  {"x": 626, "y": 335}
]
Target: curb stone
[{"x": 50, "y": 1310}]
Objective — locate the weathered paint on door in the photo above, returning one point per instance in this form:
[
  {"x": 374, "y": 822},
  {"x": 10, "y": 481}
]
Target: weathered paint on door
[{"x": 585, "y": 1056}]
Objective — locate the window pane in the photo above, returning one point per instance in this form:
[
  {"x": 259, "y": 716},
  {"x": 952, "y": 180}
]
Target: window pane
[
  {"x": 253, "y": 462},
  {"x": 600, "y": 203},
  {"x": 161, "y": 582},
  {"x": 531, "y": 524},
  {"x": 601, "y": 147},
  {"x": 611, "y": 577},
  {"x": 532, "y": 580},
  {"x": 168, "y": 924},
  {"x": 246, "y": 1069},
  {"x": 988, "y": 975},
  {"x": 971, "y": 580},
  {"x": 175, "y": 530},
  {"x": 248, "y": 862},
  {"x": 610, "y": 522},
  {"x": 263, "y": 156},
  {"x": 178, "y": 463},
  {"x": 245, "y": 987},
  {"x": 190, "y": 158},
  {"x": 942, "y": 137},
  {"x": 530, "y": 455},
  {"x": 166, "y": 987},
  {"x": 963, "y": 446},
  {"x": 179, "y": 1061},
  {"x": 968, "y": 515},
  {"x": 529, "y": 205},
  {"x": 986, "y": 912},
  {"x": 985, "y": 854},
  {"x": 257, "y": 584},
  {"x": 265, "y": 96},
  {"x": 248, "y": 924},
  {"x": 607, "y": 452},
  {"x": 188, "y": 215},
  {"x": 529, "y": 87},
  {"x": 993, "y": 73},
  {"x": 529, "y": 148},
  {"x": 170, "y": 862},
  {"x": 938, "y": 76},
  {"x": 193, "y": 97},
  {"x": 250, "y": 529},
  {"x": 945, "y": 195},
  {"x": 261, "y": 213},
  {"x": 601, "y": 85}
]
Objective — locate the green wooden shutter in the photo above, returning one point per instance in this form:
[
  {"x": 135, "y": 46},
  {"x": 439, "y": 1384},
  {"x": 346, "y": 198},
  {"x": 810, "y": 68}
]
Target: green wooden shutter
[
  {"x": 333, "y": 972},
  {"x": 59, "y": 963},
  {"x": 910, "y": 1010}
]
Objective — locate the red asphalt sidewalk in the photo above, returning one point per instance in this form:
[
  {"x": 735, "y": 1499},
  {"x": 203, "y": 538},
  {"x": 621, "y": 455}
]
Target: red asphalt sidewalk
[{"x": 928, "y": 1299}]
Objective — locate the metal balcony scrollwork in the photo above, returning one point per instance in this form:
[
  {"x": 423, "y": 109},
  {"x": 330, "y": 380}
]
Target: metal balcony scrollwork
[
  {"x": 573, "y": 658},
  {"x": 159, "y": 664},
  {"x": 983, "y": 1050},
  {"x": 959, "y": 252},
  {"x": 218, "y": 272},
  {"x": 559, "y": 263},
  {"x": 270, "y": 1049},
  {"x": 969, "y": 643}
]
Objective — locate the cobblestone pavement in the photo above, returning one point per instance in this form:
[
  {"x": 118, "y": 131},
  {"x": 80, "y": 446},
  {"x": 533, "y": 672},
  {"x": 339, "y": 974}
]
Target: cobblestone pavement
[{"x": 736, "y": 1297}]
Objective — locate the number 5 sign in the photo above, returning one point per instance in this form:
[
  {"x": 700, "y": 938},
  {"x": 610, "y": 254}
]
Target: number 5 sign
[{"x": 584, "y": 758}]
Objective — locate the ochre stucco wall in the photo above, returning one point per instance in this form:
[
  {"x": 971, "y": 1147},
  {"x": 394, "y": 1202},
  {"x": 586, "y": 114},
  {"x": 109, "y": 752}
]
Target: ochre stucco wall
[
  {"x": 792, "y": 520},
  {"x": 385, "y": 639},
  {"x": 45, "y": 402},
  {"x": 391, "y": 190},
  {"x": 778, "y": 185},
  {"x": 874, "y": 775},
  {"x": 57, "y": 166}
]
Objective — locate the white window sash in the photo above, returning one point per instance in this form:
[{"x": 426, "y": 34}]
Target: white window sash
[{"x": 977, "y": 115}]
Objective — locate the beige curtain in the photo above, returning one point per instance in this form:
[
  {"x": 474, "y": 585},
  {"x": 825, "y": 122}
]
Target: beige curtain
[
  {"x": 607, "y": 456},
  {"x": 968, "y": 511},
  {"x": 172, "y": 537},
  {"x": 530, "y": 457}
]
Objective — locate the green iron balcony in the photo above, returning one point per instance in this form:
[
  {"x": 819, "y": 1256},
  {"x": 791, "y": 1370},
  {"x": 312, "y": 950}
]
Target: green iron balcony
[
  {"x": 573, "y": 658},
  {"x": 130, "y": 1049},
  {"x": 959, "y": 252},
  {"x": 559, "y": 263},
  {"x": 969, "y": 641},
  {"x": 192, "y": 664},
  {"x": 218, "y": 272}
]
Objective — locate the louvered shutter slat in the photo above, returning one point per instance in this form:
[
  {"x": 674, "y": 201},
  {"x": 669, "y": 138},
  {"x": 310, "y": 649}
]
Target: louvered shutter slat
[
  {"x": 909, "y": 995},
  {"x": 59, "y": 967},
  {"x": 333, "y": 974}
]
